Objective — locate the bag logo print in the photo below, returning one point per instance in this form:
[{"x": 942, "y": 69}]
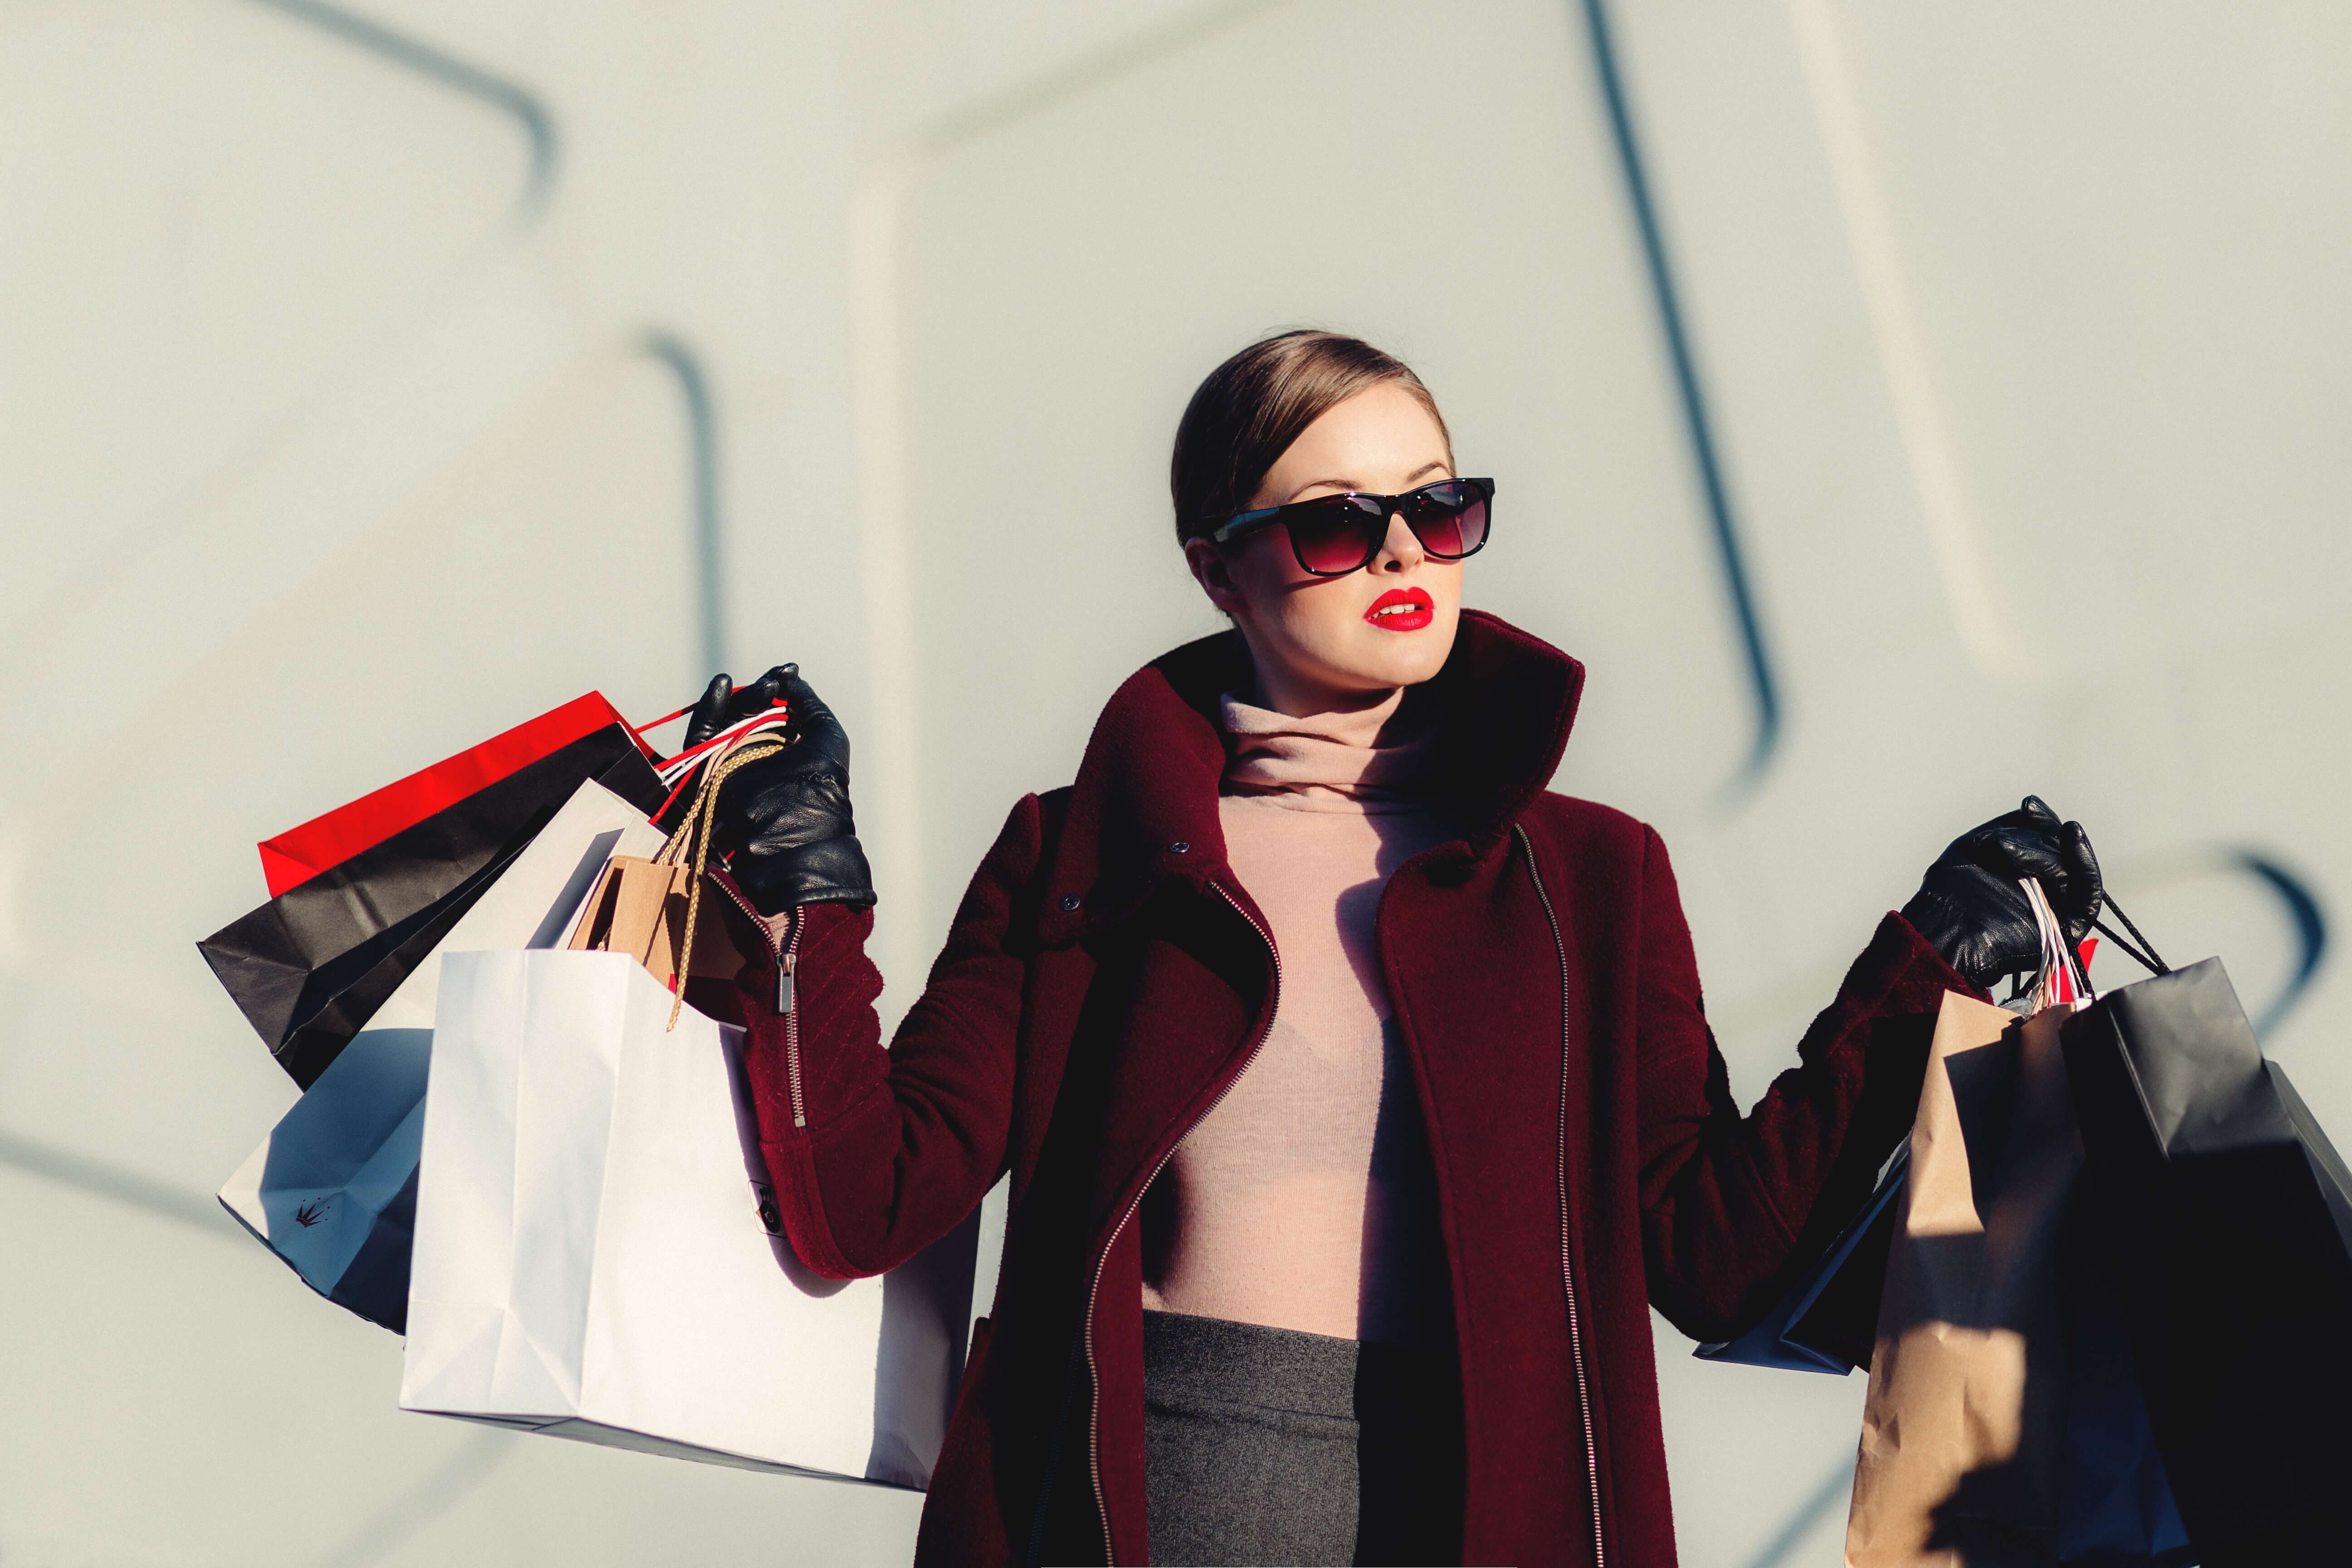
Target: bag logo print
[
  {"x": 312, "y": 1213},
  {"x": 771, "y": 1218}
]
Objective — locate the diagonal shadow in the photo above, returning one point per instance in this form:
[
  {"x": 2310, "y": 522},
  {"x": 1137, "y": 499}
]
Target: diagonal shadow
[
  {"x": 1835, "y": 1488},
  {"x": 391, "y": 1527},
  {"x": 510, "y": 98},
  {"x": 1763, "y": 685},
  {"x": 107, "y": 1179}
]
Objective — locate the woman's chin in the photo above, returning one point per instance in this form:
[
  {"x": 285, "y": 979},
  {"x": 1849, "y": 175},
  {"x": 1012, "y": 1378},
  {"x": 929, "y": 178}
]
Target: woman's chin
[{"x": 1380, "y": 659}]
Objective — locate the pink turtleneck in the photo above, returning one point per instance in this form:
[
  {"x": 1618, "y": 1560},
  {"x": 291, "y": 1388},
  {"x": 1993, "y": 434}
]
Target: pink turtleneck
[{"x": 1304, "y": 1200}]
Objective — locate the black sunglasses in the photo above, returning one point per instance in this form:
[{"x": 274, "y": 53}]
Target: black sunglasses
[{"x": 1334, "y": 535}]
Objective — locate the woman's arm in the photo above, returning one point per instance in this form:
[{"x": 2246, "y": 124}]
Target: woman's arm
[
  {"x": 875, "y": 1154},
  {"x": 1729, "y": 1203},
  {"x": 1725, "y": 1198}
]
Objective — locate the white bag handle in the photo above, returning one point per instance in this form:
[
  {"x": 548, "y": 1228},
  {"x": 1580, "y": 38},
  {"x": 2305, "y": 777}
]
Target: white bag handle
[
  {"x": 2062, "y": 980},
  {"x": 673, "y": 769}
]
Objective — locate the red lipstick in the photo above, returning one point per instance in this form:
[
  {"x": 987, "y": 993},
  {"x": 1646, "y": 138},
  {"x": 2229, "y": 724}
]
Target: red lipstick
[{"x": 1401, "y": 610}]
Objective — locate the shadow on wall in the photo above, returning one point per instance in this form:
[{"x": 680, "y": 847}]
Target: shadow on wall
[
  {"x": 447, "y": 71},
  {"x": 1762, "y": 684}
]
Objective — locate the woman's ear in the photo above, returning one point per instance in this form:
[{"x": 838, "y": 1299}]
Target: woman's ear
[{"x": 1214, "y": 573}]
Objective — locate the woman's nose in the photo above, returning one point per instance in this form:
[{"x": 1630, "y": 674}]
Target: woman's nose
[{"x": 1400, "y": 551}]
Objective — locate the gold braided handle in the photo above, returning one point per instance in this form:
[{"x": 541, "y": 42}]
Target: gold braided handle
[{"x": 701, "y": 814}]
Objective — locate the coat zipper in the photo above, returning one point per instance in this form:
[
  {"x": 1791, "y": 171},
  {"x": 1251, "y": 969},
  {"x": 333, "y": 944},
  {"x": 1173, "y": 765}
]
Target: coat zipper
[
  {"x": 787, "y": 965},
  {"x": 787, "y": 958},
  {"x": 1102, "y": 1261},
  {"x": 1568, "y": 1270}
]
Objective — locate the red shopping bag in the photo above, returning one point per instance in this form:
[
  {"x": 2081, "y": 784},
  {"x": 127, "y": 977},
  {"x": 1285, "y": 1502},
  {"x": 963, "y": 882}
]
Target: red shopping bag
[{"x": 295, "y": 857}]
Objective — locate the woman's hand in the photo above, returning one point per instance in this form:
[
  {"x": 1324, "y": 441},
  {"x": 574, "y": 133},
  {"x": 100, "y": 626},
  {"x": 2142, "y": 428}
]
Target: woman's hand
[
  {"x": 1972, "y": 912},
  {"x": 786, "y": 817}
]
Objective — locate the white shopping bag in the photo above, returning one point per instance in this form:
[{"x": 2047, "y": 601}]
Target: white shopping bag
[
  {"x": 331, "y": 1191},
  {"x": 592, "y": 1262}
]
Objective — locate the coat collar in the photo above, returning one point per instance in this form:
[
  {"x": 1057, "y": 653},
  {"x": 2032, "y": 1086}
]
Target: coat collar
[{"x": 1144, "y": 805}]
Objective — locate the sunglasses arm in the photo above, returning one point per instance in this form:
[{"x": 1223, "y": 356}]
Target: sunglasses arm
[{"x": 1245, "y": 523}]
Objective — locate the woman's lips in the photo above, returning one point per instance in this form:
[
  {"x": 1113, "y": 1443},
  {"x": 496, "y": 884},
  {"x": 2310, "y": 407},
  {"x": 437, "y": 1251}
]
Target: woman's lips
[{"x": 1401, "y": 610}]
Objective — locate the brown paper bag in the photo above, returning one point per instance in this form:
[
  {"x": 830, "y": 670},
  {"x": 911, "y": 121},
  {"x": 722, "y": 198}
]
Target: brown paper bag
[
  {"x": 652, "y": 909},
  {"x": 1963, "y": 1426},
  {"x": 639, "y": 907}
]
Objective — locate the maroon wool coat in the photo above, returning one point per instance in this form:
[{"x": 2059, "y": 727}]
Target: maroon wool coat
[{"x": 1104, "y": 980}]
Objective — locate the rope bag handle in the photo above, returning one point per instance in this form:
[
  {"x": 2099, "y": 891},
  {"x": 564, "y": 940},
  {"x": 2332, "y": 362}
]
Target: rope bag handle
[
  {"x": 702, "y": 815},
  {"x": 2145, "y": 955}
]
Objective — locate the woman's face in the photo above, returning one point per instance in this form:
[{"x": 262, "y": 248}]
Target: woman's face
[{"x": 1329, "y": 644}]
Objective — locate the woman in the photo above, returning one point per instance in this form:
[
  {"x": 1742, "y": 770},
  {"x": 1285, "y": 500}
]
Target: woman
[{"x": 1356, "y": 1093}]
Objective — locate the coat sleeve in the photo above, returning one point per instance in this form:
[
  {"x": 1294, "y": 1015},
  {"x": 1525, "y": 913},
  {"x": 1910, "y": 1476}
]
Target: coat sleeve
[
  {"x": 878, "y": 1153},
  {"x": 1731, "y": 1205}
]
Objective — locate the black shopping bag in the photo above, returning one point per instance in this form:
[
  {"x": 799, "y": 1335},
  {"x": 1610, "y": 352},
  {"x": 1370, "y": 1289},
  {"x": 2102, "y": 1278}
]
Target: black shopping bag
[
  {"x": 2223, "y": 1217},
  {"x": 310, "y": 967},
  {"x": 1828, "y": 1319},
  {"x": 2116, "y": 1507}
]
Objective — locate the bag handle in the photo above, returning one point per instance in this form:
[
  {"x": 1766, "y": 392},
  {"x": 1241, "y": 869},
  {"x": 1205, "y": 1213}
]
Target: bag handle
[
  {"x": 2057, "y": 951},
  {"x": 2145, "y": 955},
  {"x": 2062, "y": 979},
  {"x": 674, "y": 769},
  {"x": 639, "y": 730},
  {"x": 702, "y": 814},
  {"x": 679, "y": 770}
]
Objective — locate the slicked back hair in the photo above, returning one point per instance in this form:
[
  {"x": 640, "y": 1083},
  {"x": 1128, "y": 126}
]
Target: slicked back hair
[{"x": 1253, "y": 406}]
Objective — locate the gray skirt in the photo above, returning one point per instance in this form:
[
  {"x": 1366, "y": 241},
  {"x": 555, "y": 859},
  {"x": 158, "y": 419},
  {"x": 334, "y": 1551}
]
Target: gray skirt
[{"x": 1266, "y": 1446}]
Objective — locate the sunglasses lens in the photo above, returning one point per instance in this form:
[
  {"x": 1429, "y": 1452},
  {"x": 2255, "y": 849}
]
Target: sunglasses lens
[
  {"x": 1334, "y": 537},
  {"x": 1450, "y": 520}
]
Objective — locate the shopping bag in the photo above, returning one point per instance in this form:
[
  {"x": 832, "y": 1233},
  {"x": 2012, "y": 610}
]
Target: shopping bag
[
  {"x": 591, "y": 1259},
  {"x": 650, "y": 908},
  {"x": 312, "y": 966},
  {"x": 1963, "y": 1424},
  {"x": 333, "y": 1189},
  {"x": 2116, "y": 1507},
  {"x": 1828, "y": 1321},
  {"x": 2223, "y": 1219},
  {"x": 301, "y": 853}
]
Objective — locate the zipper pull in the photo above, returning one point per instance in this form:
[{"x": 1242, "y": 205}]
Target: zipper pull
[{"x": 784, "y": 981}]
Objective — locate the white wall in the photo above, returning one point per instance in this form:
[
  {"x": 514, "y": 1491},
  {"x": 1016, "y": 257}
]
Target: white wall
[{"x": 345, "y": 360}]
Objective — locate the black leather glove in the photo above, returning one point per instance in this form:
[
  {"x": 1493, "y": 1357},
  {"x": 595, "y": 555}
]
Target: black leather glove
[
  {"x": 785, "y": 819},
  {"x": 1971, "y": 909}
]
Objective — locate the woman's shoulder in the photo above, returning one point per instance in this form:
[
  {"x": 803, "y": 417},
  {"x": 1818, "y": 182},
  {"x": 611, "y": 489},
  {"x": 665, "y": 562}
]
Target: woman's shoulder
[
  {"x": 1588, "y": 826},
  {"x": 1033, "y": 833}
]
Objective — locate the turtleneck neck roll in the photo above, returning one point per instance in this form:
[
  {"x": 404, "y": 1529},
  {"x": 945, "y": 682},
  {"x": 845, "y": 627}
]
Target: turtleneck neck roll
[{"x": 1379, "y": 759}]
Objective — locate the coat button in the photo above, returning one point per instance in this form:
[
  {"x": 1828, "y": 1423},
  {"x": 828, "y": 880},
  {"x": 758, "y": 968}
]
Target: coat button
[
  {"x": 1069, "y": 900},
  {"x": 1180, "y": 848}
]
